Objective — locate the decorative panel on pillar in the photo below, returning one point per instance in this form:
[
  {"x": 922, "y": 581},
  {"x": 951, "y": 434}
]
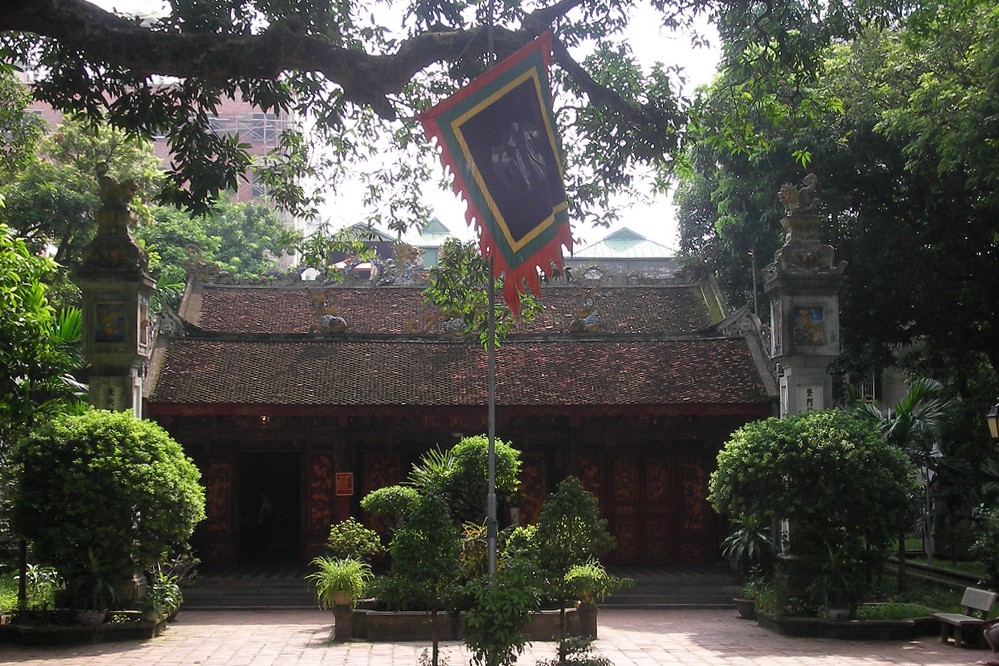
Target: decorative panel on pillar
[
  {"x": 380, "y": 470},
  {"x": 589, "y": 471},
  {"x": 319, "y": 500},
  {"x": 657, "y": 505},
  {"x": 216, "y": 534},
  {"x": 695, "y": 537}
]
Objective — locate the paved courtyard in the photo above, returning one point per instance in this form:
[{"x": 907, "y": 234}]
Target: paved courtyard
[{"x": 627, "y": 638}]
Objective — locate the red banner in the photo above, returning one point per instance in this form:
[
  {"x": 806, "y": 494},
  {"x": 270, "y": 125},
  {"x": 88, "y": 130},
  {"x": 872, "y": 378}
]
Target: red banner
[{"x": 497, "y": 137}]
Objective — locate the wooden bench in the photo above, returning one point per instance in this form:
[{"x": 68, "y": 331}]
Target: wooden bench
[{"x": 977, "y": 605}]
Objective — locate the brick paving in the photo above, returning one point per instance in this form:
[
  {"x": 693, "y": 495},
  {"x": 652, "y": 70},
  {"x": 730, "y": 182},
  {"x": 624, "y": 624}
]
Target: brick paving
[{"x": 627, "y": 638}]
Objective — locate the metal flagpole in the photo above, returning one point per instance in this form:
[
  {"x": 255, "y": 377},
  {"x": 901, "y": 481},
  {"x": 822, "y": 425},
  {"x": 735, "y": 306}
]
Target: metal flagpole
[{"x": 492, "y": 529}]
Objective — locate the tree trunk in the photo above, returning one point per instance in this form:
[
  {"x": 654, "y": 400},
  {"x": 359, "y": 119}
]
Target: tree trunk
[{"x": 901, "y": 561}]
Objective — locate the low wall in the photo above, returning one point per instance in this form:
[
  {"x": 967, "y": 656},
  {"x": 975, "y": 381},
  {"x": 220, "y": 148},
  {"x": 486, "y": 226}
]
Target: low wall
[{"x": 392, "y": 626}]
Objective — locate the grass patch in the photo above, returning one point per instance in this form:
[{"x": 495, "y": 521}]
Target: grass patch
[
  {"x": 973, "y": 568},
  {"x": 893, "y": 610},
  {"x": 939, "y": 598},
  {"x": 8, "y": 592}
]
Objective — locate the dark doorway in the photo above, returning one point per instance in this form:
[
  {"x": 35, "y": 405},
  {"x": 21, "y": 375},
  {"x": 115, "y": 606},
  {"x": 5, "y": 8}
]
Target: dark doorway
[{"x": 270, "y": 508}]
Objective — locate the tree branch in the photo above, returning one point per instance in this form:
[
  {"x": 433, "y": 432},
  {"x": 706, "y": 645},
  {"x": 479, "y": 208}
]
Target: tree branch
[{"x": 365, "y": 78}]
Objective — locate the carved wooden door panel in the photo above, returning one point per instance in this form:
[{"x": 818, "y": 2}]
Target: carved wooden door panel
[
  {"x": 656, "y": 507},
  {"x": 696, "y": 534},
  {"x": 637, "y": 507}
]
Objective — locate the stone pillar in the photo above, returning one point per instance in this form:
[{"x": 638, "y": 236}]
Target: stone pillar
[
  {"x": 803, "y": 287},
  {"x": 116, "y": 286}
]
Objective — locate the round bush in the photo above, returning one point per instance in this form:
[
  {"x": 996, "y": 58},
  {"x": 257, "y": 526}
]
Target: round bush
[
  {"x": 467, "y": 483},
  {"x": 108, "y": 484},
  {"x": 841, "y": 486}
]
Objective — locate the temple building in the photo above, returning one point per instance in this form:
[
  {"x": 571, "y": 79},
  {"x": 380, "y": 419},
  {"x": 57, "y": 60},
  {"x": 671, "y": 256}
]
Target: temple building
[{"x": 297, "y": 399}]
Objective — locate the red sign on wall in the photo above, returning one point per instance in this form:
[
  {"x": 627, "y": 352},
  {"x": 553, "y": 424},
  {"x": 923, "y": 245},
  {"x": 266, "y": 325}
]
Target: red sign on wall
[{"x": 344, "y": 484}]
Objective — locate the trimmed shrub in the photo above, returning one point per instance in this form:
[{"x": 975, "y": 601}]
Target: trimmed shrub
[
  {"x": 391, "y": 502},
  {"x": 107, "y": 485},
  {"x": 842, "y": 488},
  {"x": 349, "y": 538},
  {"x": 467, "y": 483}
]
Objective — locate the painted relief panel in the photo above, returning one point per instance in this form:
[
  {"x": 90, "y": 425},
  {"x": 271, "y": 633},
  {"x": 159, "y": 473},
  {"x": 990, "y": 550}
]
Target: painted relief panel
[
  {"x": 320, "y": 494},
  {"x": 626, "y": 534},
  {"x": 111, "y": 319},
  {"x": 777, "y": 326},
  {"x": 657, "y": 540},
  {"x": 809, "y": 326},
  {"x": 589, "y": 471},
  {"x": 380, "y": 470},
  {"x": 218, "y": 497},
  {"x": 693, "y": 496},
  {"x": 625, "y": 480}
]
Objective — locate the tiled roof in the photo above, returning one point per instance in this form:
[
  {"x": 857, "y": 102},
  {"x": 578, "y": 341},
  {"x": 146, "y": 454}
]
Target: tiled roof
[
  {"x": 558, "y": 371},
  {"x": 655, "y": 310}
]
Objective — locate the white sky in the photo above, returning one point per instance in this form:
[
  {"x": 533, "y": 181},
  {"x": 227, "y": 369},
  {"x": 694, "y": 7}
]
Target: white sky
[{"x": 650, "y": 44}]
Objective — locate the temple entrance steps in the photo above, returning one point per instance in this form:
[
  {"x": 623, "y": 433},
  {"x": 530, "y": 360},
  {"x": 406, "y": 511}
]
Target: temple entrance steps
[
  {"x": 284, "y": 587},
  {"x": 257, "y": 587},
  {"x": 676, "y": 586}
]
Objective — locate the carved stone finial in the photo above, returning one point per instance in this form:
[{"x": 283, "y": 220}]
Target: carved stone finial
[
  {"x": 115, "y": 195},
  {"x": 798, "y": 202},
  {"x": 113, "y": 248}
]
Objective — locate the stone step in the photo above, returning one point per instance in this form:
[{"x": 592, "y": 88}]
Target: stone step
[{"x": 261, "y": 588}]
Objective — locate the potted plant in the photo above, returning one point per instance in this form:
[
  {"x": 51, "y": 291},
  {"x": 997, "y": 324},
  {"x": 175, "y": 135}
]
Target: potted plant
[
  {"x": 163, "y": 597},
  {"x": 591, "y": 584},
  {"x": 750, "y": 545},
  {"x": 750, "y": 550},
  {"x": 340, "y": 582},
  {"x": 754, "y": 587}
]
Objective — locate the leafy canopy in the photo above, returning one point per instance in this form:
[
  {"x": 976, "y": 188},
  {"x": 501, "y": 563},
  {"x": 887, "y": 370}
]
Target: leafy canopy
[
  {"x": 363, "y": 70},
  {"x": 899, "y": 127},
  {"x": 830, "y": 474},
  {"x": 35, "y": 341}
]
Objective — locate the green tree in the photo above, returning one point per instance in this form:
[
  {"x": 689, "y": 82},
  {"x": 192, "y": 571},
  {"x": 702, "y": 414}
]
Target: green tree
[
  {"x": 36, "y": 343},
  {"x": 570, "y": 533},
  {"x": 425, "y": 556},
  {"x": 896, "y": 127},
  {"x": 913, "y": 426},
  {"x": 20, "y": 129},
  {"x": 241, "y": 240},
  {"x": 458, "y": 286},
  {"x": 106, "y": 487},
  {"x": 51, "y": 203},
  {"x": 461, "y": 474},
  {"x": 840, "y": 486}
]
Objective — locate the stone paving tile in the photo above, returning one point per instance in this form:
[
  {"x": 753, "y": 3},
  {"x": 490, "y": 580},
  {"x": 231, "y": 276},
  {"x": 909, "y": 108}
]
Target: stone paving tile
[{"x": 627, "y": 638}]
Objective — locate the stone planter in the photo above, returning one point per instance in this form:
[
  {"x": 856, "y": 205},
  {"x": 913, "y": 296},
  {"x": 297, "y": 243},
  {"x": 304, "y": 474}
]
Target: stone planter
[
  {"x": 90, "y": 618},
  {"x": 78, "y": 634},
  {"x": 586, "y": 621},
  {"x": 746, "y": 608},
  {"x": 855, "y": 630},
  {"x": 838, "y": 614},
  {"x": 389, "y": 626}
]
